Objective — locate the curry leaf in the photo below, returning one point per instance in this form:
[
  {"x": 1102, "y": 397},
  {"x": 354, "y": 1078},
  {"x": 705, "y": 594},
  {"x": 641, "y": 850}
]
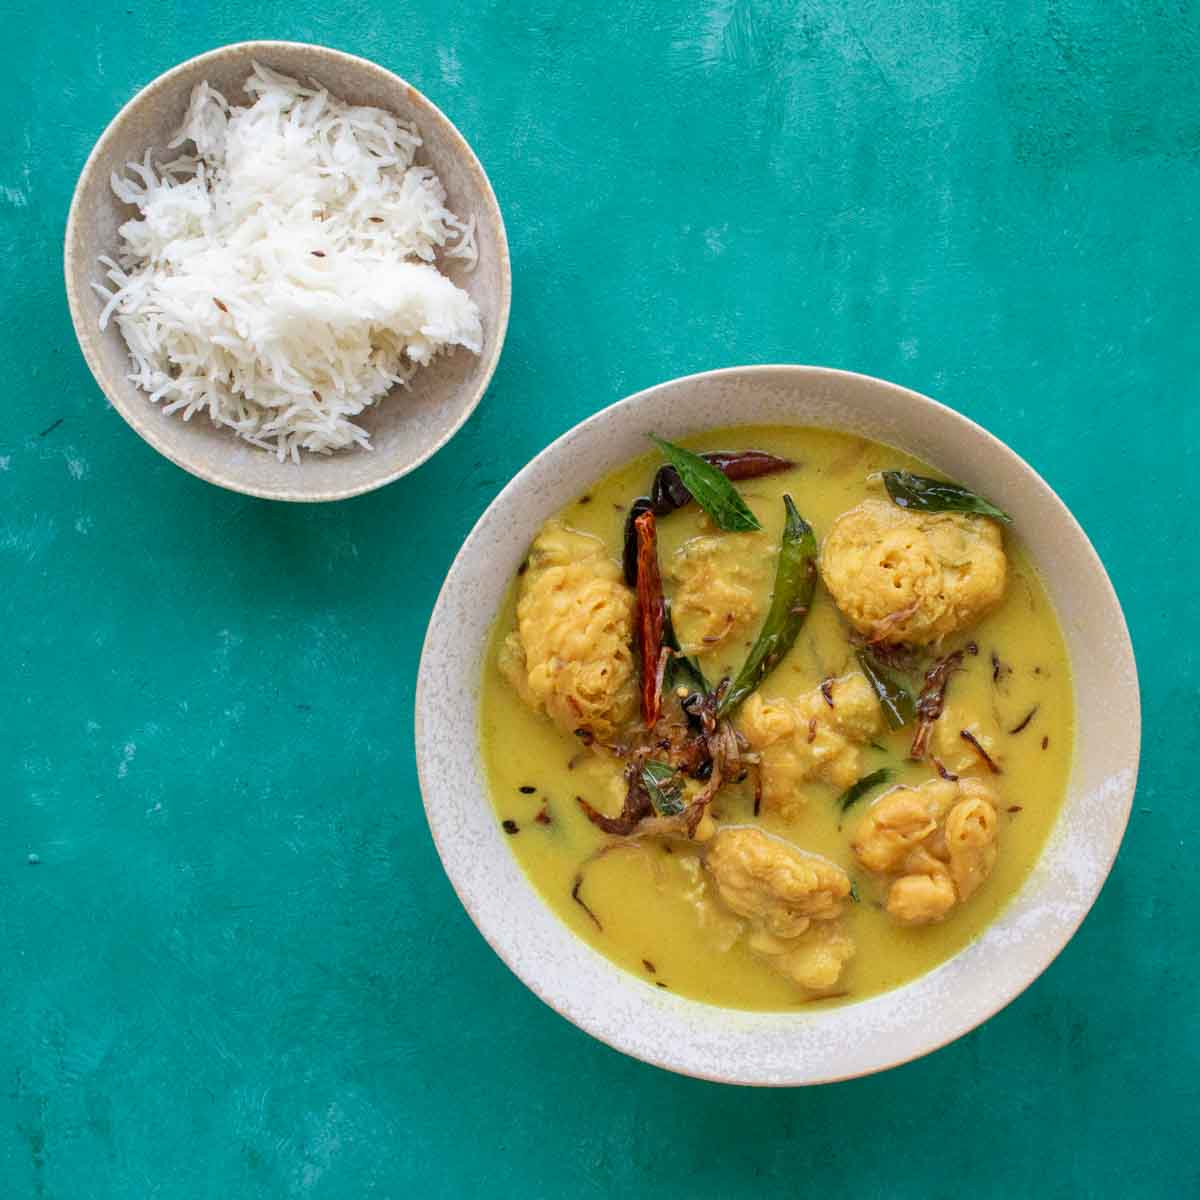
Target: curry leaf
[
  {"x": 664, "y": 787},
  {"x": 895, "y": 700},
  {"x": 712, "y": 491},
  {"x": 935, "y": 495},
  {"x": 856, "y": 791}
]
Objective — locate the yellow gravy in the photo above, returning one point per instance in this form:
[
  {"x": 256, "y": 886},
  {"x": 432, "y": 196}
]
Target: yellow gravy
[{"x": 646, "y": 897}]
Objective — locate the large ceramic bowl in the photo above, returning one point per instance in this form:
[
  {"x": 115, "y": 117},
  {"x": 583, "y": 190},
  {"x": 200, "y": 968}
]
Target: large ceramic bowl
[
  {"x": 778, "y": 1047},
  {"x": 407, "y": 425}
]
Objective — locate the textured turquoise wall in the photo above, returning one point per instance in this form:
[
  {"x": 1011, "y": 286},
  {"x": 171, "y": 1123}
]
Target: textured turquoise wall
[{"x": 237, "y": 969}]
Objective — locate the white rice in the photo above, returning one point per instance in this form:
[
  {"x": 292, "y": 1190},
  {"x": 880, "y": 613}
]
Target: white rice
[{"x": 281, "y": 278}]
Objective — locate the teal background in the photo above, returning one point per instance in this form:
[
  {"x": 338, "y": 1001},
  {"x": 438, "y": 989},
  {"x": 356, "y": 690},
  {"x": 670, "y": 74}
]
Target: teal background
[{"x": 237, "y": 969}]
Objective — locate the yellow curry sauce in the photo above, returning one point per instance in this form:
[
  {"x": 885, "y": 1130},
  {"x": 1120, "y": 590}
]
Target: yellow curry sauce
[{"x": 650, "y": 906}]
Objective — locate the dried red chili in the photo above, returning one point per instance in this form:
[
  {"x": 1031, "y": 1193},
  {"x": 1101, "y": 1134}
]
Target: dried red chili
[{"x": 651, "y": 614}]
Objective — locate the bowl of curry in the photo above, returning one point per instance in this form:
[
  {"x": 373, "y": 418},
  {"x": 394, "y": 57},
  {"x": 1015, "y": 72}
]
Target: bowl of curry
[{"x": 777, "y": 725}]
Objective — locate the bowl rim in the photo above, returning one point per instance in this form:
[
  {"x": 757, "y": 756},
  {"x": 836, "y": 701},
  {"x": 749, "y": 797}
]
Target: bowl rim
[
  {"x": 1065, "y": 930},
  {"x": 82, "y": 325}
]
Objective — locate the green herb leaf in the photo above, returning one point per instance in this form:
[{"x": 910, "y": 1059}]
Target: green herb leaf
[
  {"x": 935, "y": 495},
  {"x": 664, "y": 786},
  {"x": 896, "y": 701},
  {"x": 856, "y": 791},
  {"x": 680, "y": 668},
  {"x": 685, "y": 671},
  {"x": 854, "y": 891},
  {"x": 712, "y": 491},
  {"x": 795, "y": 579}
]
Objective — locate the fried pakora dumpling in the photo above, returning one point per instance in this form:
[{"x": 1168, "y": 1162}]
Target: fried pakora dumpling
[
  {"x": 934, "y": 844},
  {"x": 819, "y": 735},
  {"x": 714, "y": 598},
  {"x": 790, "y": 899},
  {"x": 572, "y": 651},
  {"x": 903, "y": 576},
  {"x": 775, "y": 884}
]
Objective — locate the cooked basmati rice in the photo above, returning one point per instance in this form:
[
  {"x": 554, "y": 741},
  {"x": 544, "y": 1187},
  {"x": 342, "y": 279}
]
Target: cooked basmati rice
[{"x": 282, "y": 278}]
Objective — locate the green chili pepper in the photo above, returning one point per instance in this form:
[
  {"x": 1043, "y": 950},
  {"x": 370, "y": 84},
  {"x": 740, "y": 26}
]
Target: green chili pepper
[{"x": 795, "y": 579}]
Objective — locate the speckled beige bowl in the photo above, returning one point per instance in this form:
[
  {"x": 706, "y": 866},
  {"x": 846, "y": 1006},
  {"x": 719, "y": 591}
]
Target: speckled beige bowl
[
  {"x": 407, "y": 426},
  {"x": 778, "y": 1048}
]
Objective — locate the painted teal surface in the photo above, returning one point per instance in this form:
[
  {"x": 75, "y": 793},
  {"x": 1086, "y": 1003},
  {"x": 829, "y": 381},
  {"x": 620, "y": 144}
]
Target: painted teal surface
[{"x": 237, "y": 969}]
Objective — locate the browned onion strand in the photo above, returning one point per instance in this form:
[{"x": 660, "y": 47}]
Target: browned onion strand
[{"x": 932, "y": 699}]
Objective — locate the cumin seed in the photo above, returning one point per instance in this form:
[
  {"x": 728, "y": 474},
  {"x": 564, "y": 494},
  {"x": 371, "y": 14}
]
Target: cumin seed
[
  {"x": 942, "y": 770},
  {"x": 1028, "y": 717},
  {"x": 971, "y": 740},
  {"x": 582, "y": 903}
]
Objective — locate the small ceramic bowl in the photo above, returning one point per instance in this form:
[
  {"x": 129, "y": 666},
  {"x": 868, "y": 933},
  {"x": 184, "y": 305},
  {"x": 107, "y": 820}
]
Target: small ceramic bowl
[
  {"x": 406, "y": 426},
  {"x": 779, "y": 1048}
]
